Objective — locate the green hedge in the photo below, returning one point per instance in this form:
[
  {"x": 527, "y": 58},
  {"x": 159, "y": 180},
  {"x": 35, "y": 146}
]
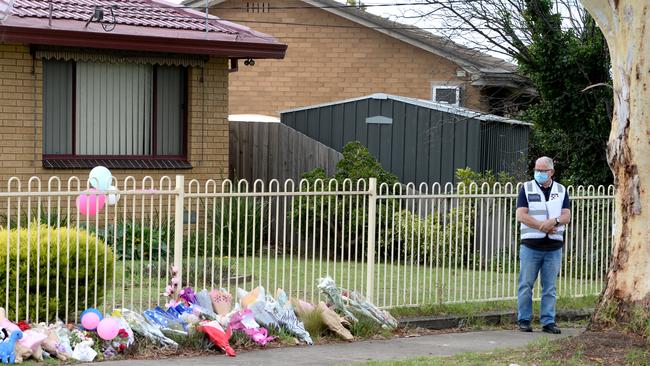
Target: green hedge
[{"x": 76, "y": 252}]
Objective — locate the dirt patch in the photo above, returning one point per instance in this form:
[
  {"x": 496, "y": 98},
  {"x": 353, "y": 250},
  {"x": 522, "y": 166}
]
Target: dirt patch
[{"x": 607, "y": 347}]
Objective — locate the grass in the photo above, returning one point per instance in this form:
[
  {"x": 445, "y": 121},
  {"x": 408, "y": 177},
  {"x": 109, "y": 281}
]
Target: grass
[
  {"x": 540, "y": 353},
  {"x": 563, "y": 303},
  {"x": 637, "y": 358},
  {"x": 396, "y": 286}
]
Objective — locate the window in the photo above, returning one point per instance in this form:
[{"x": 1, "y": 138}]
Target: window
[
  {"x": 114, "y": 111},
  {"x": 446, "y": 94}
]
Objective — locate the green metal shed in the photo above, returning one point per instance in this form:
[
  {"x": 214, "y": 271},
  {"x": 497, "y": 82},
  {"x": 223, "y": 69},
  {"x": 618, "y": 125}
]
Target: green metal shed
[{"x": 417, "y": 140}]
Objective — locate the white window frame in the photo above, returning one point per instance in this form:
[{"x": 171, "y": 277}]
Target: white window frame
[{"x": 435, "y": 87}]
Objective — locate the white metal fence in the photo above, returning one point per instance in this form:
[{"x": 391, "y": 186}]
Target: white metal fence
[{"x": 405, "y": 245}]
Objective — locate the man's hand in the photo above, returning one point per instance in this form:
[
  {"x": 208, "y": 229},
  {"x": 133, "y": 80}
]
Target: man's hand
[{"x": 548, "y": 226}]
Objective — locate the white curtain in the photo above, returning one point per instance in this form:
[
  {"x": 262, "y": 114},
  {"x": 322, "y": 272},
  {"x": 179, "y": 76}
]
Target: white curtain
[{"x": 113, "y": 109}]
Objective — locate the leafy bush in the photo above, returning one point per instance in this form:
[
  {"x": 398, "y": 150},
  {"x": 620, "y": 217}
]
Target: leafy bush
[
  {"x": 83, "y": 254},
  {"x": 468, "y": 176},
  {"x": 135, "y": 241},
  {"x": 426, "y": 240},
  {"x": 337, "y": 214}
]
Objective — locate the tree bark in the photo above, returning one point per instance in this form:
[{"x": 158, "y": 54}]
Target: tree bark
[{"x": 624, "y": 23}]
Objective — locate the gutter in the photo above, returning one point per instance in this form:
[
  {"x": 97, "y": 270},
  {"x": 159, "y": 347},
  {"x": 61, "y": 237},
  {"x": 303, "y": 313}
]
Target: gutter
[{"x": 58, "y": 37}]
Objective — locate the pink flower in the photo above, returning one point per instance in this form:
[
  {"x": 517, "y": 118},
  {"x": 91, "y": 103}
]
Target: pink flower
[
  {"x": 175, "y": 280},
  {"x": 171, "y": 303},
  {"x": 174, "y": 269}
]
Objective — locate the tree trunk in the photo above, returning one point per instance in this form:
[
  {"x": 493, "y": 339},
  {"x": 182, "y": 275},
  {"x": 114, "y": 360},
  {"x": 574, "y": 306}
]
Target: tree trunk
[{"x": 623, "y": 23}]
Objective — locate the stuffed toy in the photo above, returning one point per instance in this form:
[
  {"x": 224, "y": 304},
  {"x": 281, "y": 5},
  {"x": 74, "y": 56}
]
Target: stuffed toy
[
  {"x": 22, "y": 353},
  {"x": 32, "y": 339},
  {"x": 5, "y": 323},
  {"x": 7, "y": 351}
]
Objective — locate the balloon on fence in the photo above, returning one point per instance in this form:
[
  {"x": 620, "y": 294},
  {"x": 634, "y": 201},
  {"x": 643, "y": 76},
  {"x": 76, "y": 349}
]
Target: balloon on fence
[
  {"x": 91, "y": 202},
  {"x": 112, "y": 198},
  {"x": 100, "y": 178}
]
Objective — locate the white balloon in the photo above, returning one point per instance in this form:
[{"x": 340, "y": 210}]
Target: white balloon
[
  {"x": 100, "y": 178},
  {"x": 112, "y": 198}
]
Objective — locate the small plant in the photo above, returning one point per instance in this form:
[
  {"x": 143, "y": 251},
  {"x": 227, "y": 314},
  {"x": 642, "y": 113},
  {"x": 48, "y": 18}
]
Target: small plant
[
  {"x": 607, "y": 313},
  {"x": 365, "y": 327},
  {"x": 314, "y": 323}
]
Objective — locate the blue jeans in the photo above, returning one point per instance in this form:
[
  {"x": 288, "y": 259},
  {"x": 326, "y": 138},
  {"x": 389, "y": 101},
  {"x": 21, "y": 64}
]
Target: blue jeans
[{"x": 532, "y": 262}]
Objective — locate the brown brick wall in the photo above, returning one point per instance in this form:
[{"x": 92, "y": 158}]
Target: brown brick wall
[
  {"x": 21, "y": 142},
  {"x": 327, "y": 64}
]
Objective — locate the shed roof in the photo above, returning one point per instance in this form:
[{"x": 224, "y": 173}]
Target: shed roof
[
  {"x": 140, "y": 25},
  {"x": 443, "y": 107}
]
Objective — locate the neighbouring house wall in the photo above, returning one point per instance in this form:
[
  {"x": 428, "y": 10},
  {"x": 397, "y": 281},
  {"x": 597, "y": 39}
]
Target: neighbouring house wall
[
  {"x": 325, "y": 64},
  {"x": 21, "y": 122}
]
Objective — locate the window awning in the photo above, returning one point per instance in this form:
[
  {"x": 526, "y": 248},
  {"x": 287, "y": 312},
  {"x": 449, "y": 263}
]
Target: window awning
[{"x": 111, "y": 56}]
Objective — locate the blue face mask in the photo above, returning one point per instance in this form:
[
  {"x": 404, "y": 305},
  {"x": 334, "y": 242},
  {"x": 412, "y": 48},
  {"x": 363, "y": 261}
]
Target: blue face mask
[{"x": 541, "y": 177}]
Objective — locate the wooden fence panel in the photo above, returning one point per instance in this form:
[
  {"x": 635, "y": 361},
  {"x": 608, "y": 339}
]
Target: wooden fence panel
[{"x": 263, "y": 150}]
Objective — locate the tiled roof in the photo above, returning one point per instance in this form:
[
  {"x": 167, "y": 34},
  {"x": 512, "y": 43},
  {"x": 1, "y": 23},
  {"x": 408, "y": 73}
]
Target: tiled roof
[
  {"x": 137, "y": 25},
  {"x": 5, "y": 9},
  {"x": 145, "y": 13}
]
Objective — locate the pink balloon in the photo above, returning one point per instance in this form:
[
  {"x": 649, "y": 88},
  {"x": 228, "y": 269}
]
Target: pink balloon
[
  {"x": 90, "y": 321},
  {"x": 108, "y": 329},
  {"x": 90, "y": 203}
]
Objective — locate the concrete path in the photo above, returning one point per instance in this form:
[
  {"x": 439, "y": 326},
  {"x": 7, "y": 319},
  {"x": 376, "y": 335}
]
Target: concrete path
[{"x": 346, "y": 353}]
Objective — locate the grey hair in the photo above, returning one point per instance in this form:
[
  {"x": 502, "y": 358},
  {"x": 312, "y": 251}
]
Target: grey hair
[{"x": 547, "y": 161}]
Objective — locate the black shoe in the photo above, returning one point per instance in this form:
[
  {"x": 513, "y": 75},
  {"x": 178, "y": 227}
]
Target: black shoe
[
  {"x": 524, "y": 326},
  {"x": 551, "y": 328}
]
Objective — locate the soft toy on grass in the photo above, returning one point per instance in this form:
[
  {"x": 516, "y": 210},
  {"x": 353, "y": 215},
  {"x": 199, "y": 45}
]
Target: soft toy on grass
[{"x": 7, "y": 351}]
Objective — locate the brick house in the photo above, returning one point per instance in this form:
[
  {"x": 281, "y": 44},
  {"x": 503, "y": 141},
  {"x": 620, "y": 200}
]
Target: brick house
[
  {"x": 353, "y": 53},
  {"x": 140, "y": 87}
]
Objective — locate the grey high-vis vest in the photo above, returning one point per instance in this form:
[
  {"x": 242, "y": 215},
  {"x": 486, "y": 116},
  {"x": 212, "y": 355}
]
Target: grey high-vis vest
[{"x": 542, "y": 210}]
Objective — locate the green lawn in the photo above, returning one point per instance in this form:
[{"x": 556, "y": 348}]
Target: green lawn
[
  {"x": 539, "y": 353},
  {"x": 138, "y": 284},
  {"x": 567, "y": 352}
]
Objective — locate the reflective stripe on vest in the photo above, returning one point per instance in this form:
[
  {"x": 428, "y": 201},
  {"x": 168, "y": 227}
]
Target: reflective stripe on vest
[{"x": 542, "y": 210}]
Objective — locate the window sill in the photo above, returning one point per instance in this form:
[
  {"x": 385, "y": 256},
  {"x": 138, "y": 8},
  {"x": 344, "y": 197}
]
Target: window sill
[{"x": 131, "y": 163}]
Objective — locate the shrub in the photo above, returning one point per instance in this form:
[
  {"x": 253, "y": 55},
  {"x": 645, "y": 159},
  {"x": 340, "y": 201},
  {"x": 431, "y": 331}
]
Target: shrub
[
  {"x": 133, "y": 240},
  {"x": 78, "y": 251},
  {"x": 310, "y": 213},
  {"x": 426, "y": 240},
  {"x": 314, "y": 323}
]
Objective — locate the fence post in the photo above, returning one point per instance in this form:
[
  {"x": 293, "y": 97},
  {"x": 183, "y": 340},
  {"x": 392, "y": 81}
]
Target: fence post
[
  {"x": 178, "y": 227},
  {"x": 372, "y": 227}
]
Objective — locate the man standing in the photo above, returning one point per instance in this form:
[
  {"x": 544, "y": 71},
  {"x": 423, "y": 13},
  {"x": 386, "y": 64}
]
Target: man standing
[{"x": 542, "y": 210}]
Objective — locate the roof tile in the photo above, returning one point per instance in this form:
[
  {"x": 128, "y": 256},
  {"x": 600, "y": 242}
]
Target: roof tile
[{"x": 146, "y": 13}]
